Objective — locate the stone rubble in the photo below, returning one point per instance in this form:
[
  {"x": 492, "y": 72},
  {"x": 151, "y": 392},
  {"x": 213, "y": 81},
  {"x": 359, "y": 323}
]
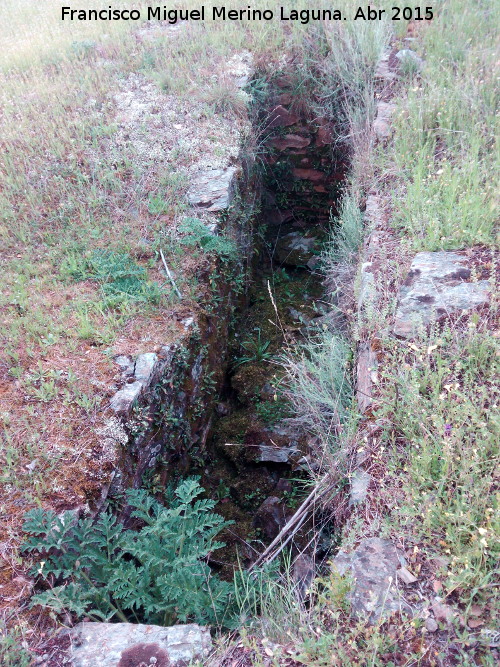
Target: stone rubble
[
  {"x": 213, "y": 190},
  {"x": 146, "y": 368},
  {"x": 373, "y": 567},
  {"x": 382, "y": 123}
]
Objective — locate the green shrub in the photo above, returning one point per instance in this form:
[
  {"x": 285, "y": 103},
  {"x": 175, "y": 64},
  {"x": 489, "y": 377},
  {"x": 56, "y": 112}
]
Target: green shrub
[
  {"x": 196, "y": 233},
  {"x": 256, "y": 350},
  {"x": 346, "y": 235},
  {"x": 319, "y": 386},
  {"x": 271, "y": 412},
  {"x": 157, "y": 574}
]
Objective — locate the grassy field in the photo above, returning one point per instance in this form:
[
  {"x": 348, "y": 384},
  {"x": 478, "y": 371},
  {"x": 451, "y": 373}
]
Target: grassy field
[{"x": 84, "y": 210}]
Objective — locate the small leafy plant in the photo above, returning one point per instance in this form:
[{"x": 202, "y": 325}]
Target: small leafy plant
[
  {"x": 256, "y": 349},
  {"x": 12, "y": 651},
  {"x": 119, "y": 276},
  {"x": 157, "y": 574},
  {"x": 196, "y": 233}
]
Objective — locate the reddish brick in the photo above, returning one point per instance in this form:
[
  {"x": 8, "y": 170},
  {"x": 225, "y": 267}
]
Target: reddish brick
[
  {"x": 310, "y": 175},
  {"x": 281, "y": 117},
  {"x": 324, "y": 135},
  {"x": 290, "y": 141},
  {"x": 284, "y": 98}
]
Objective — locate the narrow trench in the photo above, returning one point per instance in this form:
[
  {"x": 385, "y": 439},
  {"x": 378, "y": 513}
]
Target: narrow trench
[{"x": 258, "y": 463}]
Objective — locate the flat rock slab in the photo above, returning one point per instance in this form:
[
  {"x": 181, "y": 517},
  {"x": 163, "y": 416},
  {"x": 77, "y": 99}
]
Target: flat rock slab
[
  {"x": 296, "y": 249},
  {"x": 271, "y": 454},
  {"x": 366, "y": 376},
  {"x": 281, "y": 117},
  {"x": 144, "y": 366},
  {"x": 373, "y": 566},
  {"x": 360, "y": 483},
  {"x": 212, "y": 189},
  {"x": 126, "y": 644},
  {"x": 290, "y": 141},
  {"x": 438, "y": 285},
  {"x": 382, "y": 123}
]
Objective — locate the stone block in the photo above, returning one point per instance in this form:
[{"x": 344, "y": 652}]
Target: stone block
[
  {"x": 290, "y": 141},
  {"x": 313, "y": 175},
  {"x": 122, "y": 401},
  {"x": 126, "y": 644},
  {"x": 280, "y": 117},
  {"x": 382, "y": 123},
  {"x": 144, "y": 366},
  {"x": 438, "y": 285},
  {"x": 373, "y": 566},
  {"x": 366, "y": 376},
  {"x": 212, "y": 189}
]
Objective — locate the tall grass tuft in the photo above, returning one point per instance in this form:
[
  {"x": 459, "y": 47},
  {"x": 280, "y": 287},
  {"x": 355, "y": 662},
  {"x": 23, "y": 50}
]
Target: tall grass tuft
[{"x": 319, "y": 387}]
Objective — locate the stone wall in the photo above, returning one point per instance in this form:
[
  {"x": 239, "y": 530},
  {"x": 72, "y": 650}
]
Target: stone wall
[
  {"x": 164, "y": 407},
  {"x": 303, "y": 177}
]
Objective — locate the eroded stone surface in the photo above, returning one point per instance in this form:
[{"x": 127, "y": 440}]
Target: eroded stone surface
[
  {"x": 382, "y": 123},
  {"x": 373, "y": 210},
  {"x": 144, "y": 366},
  {"x": 324, "y": 135},
  {"x": 438, "y": 285},
  {"x": 366, "y": 376},
  {"x": 272, "y": 454},
  {"x": 367, "y": 288},
  {"x": 373, "y": 566},
  {"x": 117, "y": 644},
  {"x": 271, "y": 517},
  {"x": 296, "y": 249},
  {"x": 314, "y": 175},
  {"x": 383, "y": 70},
  {"x": 359, "y": 487},
  {"x": 122, "y": 401},
  {"x": 290, "y": 141},
  {"x": 124, "y": 361},
  {"x": 212, "y": 189},
  {"x": 281, "y": 117}
]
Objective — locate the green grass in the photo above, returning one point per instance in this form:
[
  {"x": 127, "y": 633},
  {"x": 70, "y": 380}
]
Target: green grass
[
  {"x": 437, "y": 398},
  {"x": 319, "y": 386},
  {"x": 12, "y": 653},
  {"x": 442, "y": 398},
  {"x": 445, "y": 149}
]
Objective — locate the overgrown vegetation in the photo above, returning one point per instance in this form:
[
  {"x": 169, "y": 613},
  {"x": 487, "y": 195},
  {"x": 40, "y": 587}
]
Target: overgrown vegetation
[
  {"x": 256, "y": 350},
  {"x": 436, "y": 397},
  {"x": 102, "y": 126},
  {"x": 320, "y": 387},
  {"x": 195, "y": 233},
  {"x": 444, "y": 148},
  {"x": 155, "y": 574},
  {"x": 12, "y": 654},
  {"x": 441, "y": 396}
]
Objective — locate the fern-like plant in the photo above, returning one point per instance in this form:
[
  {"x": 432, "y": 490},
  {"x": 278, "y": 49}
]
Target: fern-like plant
[
  {"x": 196, "y": 233},
  {"x": 157, "y": 574}
]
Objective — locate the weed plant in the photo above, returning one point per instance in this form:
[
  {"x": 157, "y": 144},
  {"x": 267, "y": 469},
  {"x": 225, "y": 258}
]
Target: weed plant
[{"x": 157, "y": 574}]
